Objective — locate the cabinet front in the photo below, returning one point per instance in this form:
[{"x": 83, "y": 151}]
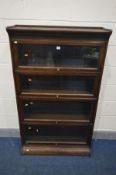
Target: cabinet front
[
  {"x": 38, "y": 134},
  {"x": 58, "y": 55},
  {"x": 57, "y": 85},
  {"x": 57, "y": 74},
  {"x": 57, "y": 111}
]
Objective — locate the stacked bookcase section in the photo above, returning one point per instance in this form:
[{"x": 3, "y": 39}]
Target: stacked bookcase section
[{"x": 57, "y": 74}]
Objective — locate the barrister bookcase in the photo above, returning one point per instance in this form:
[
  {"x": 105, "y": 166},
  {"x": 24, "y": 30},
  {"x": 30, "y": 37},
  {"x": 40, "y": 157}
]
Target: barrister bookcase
[{"x": 57, "y": 74}]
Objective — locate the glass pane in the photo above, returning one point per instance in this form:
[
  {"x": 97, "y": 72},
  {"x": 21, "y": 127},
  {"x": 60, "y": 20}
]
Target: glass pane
[
  {"x": 57, "y": 134},
  {"x": 60, "y": 130},
  {"x": 64, "y": 84},
  {"x": 56, "y": 107},
  {"x": 58, "y": 55}
]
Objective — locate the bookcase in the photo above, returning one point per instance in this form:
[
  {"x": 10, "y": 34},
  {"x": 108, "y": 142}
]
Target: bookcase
[{"x": 57, "y": 73}]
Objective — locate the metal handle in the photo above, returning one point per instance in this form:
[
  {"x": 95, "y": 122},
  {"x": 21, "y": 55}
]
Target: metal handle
[
  {"x": 58, "y": 47},
  {"x": 29, "y": 79},
  {"x": 27, "y": 150},
  {"x": 15, "y": 42},
  {"x": 26, "y": 104},
  {"x": 26, "y": 54},
  {"x": 37, "y": 130},
  {"x": 29, "y": 127}
]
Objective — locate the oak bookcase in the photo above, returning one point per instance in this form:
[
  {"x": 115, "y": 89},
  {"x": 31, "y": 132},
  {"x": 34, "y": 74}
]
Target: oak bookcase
[{"x": 57, "y": 74}]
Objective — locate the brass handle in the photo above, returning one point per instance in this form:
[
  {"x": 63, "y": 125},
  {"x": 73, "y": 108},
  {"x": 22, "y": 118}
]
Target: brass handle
[
  {"x": 37, "y": 130},
  {"x": 15, "y": 42},
  {"x": 27, "y": 150},
  {"x": 26, "y": 54},
  {"x": 29, "y": 127},
  {"x": 58, "y": 47},
  {"x": 26, "y": 104},
  {"x": 29, "y": 80}
]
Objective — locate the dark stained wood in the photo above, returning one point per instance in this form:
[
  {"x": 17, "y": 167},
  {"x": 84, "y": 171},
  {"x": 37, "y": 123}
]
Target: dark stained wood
[
  {"x": 56, "y": 119},
  {"x": 80, "y": 29},
  {"x": 58, "y": 94},
  {"x": 56, "y": 71},
  {"x": 56, "y": 140},
  {"x": 59, "y": 144},
  {"x": 56, "y": 98},
  {"x": 57, "y": 41},
  {"x": 32, "y": 149},
  {"x": 65, "y": 31}
]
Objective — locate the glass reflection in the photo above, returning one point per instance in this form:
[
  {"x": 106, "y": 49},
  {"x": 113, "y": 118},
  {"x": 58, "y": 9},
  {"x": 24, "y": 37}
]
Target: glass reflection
[{"x": 58, "y": 56}]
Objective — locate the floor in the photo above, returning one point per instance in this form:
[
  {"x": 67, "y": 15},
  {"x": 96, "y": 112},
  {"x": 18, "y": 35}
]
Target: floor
[{"x": 101, "y": 162}]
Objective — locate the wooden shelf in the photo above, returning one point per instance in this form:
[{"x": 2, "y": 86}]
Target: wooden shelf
[
  {"x": 57, "y": 119},
  {"x": 34, "y": 70},
  {"x": 58, "y": 97},
  {"x": 55, "y": 140},
  {"x": 61, "y": 93}
]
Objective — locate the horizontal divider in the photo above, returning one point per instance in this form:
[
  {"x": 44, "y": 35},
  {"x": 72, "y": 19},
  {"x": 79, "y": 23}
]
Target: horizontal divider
[
  {"x": 58, "y": 41},
  {"x": 57, "y": 123},
  {"x": 82, "y": 118},
  {"x": 37, "y": 97},
  {"x": 57, "y": 71},
  {"x": 34, "y": 149},
  {"x": 56, "y": 94}
]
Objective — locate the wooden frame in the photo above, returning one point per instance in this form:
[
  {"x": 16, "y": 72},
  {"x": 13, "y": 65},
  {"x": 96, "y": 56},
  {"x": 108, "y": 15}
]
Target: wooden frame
[{"x": 47, "y": 142}]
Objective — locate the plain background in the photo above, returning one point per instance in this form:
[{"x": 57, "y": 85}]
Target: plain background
[{"x": 58, "y": 12}]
